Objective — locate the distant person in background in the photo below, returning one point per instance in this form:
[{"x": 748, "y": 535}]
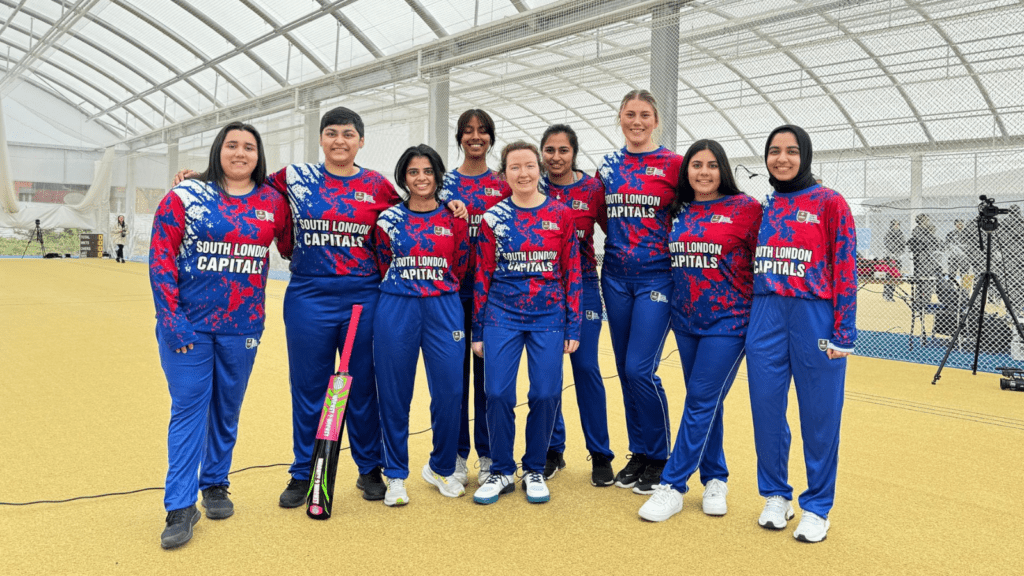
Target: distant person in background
[
  {"x": 924, "y": 245},
  {"x": 120, "y": 237},
  {"x": 958, "y": 243},
  {"x": 208, "y": 266},
  {"x": 1012, "y": 244},
  {"x": 895, "y": 244}
]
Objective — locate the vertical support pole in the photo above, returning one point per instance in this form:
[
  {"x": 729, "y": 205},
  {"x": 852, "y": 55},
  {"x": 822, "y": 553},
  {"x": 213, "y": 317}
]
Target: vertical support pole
[
  {"x": 916, "y": 191},
  {"x": 129, "y": 204},
  {"x": 665, "y": 70},
  {"x": 311, "y": 144},
  {"x": 172, "y": 161},
  {"x": 437, "y": 115}
]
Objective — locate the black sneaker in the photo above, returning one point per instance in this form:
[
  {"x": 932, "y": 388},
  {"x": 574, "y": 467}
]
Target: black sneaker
[
  {"x": 628, "y": 476},
  {"x": 179, "y": 526},
  {"x": 295, "y": 494},
  {"x": 554, "y": 463},
  {"x": 650, "y": 477},
  {"x": 372, "y": 485},
  {"x": 218, "y": 505},
  {"x": 602, "y": 474}
]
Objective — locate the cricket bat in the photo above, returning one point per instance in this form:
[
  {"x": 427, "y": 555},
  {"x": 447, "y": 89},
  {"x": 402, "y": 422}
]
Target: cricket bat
[{"x": 324, "y": 465}]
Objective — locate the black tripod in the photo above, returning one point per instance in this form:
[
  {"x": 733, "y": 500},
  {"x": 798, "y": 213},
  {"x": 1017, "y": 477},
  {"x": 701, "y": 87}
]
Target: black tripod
[
  {"x": 987, "y": 223},
  {"x": 36, "y": 235}
]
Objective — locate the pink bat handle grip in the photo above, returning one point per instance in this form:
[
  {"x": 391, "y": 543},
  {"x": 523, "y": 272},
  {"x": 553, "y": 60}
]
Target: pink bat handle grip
[{"x": 350, "y": 337}]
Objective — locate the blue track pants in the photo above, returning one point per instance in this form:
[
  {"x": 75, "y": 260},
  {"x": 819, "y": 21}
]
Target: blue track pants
[
  {"x": 207, "y": 385},
  {"x": 586, "y": 375},
  {"x": 710, "y": 364},
  {"x": 503, "y": 349},
  {"x": 316, "y": 316},
  {"x": 638, "y": 318},
  {"x": 472, "y": 365},
  {"x": 783, "y": 342},
  {"x": 404, "y": 325}
]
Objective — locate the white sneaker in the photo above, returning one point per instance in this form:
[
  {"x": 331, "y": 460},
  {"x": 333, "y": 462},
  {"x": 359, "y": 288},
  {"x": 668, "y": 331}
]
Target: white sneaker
[
  {"x": 714, "y": 498},
  {"x": 536, "y": 488},
  {"x": 396, "y": 494},
  {"x": 461, "y": 471},
  {"x": 777, "y": 512},
  {"x": 495, "y": 486},
  {"x": 664, "y": 503},
  {"x": 448, "y": 486},
  {"x": 485, "y": 469},
  {"x": 812, "y": 528}
]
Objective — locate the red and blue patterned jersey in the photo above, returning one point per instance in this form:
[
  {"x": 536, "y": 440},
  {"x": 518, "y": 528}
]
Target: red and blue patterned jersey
[
  {"x": 712, "y": 246},
  {"x": 585, "y": 198},
  {"x": 334, "y": 217},
  {"x": 421, "y": 254},
  {"x": 479, "y": 194},
  {"x": 209, "y": 259},
  {"x": 529, "y": 272},
  {"x": 638, "y": 191},
  {"x": 807, "y": 248}
]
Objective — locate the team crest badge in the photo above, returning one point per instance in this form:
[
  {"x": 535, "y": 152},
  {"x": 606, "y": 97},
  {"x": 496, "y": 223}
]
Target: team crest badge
[
  {"x": 458, "y": 335},
  {"x": 652, "y": 171},
  {"x": 546, "y": 225},
  {"x": 580, "y": 205},
  {"x": 363, "y": 197},
  {"x": 658, "y": 297},
  {"x": 491, "y": 192},
  {"x": 591, "y": 315},
  {"x": 822, "y": 344},
  {"x": 251, "y": 343},
  {"x": 719, "y": 219},
  {"x": 806, "y": 217},
  {"x": 442, "y": 231},
  {"x": 264, "y": 215}
]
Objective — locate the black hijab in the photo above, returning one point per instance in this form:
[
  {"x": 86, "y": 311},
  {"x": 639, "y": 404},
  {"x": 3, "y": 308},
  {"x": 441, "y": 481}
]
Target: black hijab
[{"x": 804, "y": 178}]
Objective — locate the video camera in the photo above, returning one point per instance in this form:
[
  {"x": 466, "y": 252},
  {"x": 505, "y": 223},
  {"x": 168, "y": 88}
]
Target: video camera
[
  {"x": 987, "y": 212},
  {"x": 1014, "y": 379}
]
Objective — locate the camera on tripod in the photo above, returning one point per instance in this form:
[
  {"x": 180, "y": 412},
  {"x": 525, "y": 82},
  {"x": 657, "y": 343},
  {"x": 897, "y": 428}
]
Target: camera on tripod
[
  {"x": 987, "y": 212},
  {"x": 1014, "y": 379}
]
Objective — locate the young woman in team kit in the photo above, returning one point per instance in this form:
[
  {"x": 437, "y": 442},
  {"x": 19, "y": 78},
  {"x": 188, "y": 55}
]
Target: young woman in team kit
[
  {"x": 527, "y": 293},
  {"x": 584, "y": 196},
  {"x": 208, "y": 266},
  {"x": 802, "y": 326},
  {"x": 712, "y": 242},
  {"x": 476, "y": 186},
  {"x": 636, "y": 281},
  {"x": 423, "y": 250}
]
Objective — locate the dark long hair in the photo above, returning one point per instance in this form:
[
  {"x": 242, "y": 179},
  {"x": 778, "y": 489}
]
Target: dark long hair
[
  {"x": 684, "y": 192},
  {"x": 573, "y": 141},
  {"x": 215, "y": 172},
  {"x": 420, "y": 151},
  {"x": 486, "y": 122}
]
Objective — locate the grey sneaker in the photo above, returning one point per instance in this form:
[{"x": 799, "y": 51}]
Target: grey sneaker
[
  {"x": 372, "y": 484},
  {"x": 461, "y": 471},
  {"x": 485, "y": 469},
  {"x": 295, "y": 494},
  {"x": 218, "y": 505},
  {"x": 179, "y": 526}
]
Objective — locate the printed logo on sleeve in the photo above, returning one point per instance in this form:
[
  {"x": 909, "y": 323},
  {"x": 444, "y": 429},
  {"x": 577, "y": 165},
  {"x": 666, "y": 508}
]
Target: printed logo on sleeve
[
  {"x": 264, "y": 215},
  {"x": 458, "y": 335},
  {"x": 652, "y": 171},
  {"x": 251, "y": 343},
  {"x": 822, "y": 344},
  {"x": 806, "y": 217},
  {"x": 720, "y": 219},
  {"x": 547, "y": 225},
  {"x": 442, "y": 231},
  {"x": 658, "y": 297}
]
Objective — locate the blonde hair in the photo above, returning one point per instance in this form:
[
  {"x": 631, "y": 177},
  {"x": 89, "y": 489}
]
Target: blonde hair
[{"x": 644, "y": 95}]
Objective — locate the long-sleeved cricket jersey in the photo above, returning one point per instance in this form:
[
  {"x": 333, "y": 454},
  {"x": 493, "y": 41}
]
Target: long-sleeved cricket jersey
[
  {"x": 586, "y": 200},
  {"x": 528, "y": 276},
  {"x": 807, "y": 248},
  {"x": 209, "y": 259},
  {"x": 638, "y": 191},
  {"x": 712, "y": 245},
  {"x": 421, "y": 254},
  {"x": 334, "y": 217},
  {"x": 479, "y": 193}
]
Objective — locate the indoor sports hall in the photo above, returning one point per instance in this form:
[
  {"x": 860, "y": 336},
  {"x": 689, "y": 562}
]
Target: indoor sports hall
[{"x": 916, "y": 113}]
